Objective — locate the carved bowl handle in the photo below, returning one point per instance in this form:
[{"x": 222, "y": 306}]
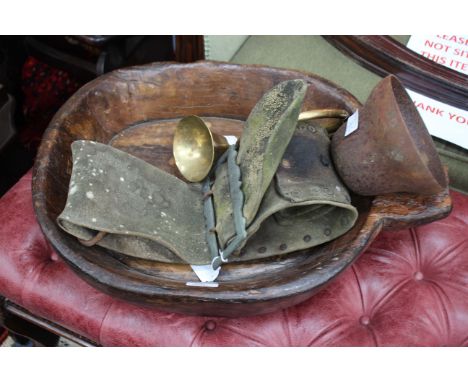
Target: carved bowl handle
[{"x": 400, "y": 211}]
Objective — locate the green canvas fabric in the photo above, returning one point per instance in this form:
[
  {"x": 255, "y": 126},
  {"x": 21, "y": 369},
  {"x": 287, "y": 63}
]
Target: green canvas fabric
[
  {"x": 308, "y": 53},
  {"x": 222, "y": 47},
  {"x": 315, "y": 55}
]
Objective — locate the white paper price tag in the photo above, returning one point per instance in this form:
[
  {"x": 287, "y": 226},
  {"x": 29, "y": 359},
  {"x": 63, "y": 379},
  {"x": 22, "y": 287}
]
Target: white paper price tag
[
  {"x": 231, "y": 139},
  {"x": 205, "y": 273},
  {"x": 352, "y": 123}
]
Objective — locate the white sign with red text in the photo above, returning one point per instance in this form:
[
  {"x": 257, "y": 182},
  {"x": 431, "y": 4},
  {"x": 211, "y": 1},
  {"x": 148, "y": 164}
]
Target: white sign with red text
[{"x": 442, "y": 120}]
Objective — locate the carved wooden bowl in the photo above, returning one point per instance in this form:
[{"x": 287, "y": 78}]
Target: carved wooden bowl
[{"x": 136, "y": 110}]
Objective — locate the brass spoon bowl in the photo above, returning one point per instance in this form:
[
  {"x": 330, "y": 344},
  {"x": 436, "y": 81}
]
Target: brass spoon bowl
[{"x": 196, "y": 148}]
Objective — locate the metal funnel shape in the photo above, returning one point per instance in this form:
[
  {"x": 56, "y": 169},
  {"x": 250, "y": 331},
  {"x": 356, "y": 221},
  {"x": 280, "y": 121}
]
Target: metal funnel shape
[
  {"x": 391, "y": 150},
  {"x": 196, "y": 148}
]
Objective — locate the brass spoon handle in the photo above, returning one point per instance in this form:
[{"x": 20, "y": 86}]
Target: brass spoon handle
[{"x": 323, "y": 113}]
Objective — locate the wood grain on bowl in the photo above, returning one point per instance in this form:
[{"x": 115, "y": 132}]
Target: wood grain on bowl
[{"x": 136, "y": 110}]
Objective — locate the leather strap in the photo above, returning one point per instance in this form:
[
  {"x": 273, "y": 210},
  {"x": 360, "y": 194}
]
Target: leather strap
[{"x": 151, "y": 214}]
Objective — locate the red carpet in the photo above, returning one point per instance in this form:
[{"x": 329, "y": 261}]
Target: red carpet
[{"x": 45, "y": 89}]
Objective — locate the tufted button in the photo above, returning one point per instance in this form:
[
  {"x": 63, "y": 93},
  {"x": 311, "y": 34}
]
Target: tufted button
[
  {"x": 364, "y": 320},
  {"x": 403, "y": 313},
  {"x": 210, "y": 325},
  {"x": 54, "y": 256}
]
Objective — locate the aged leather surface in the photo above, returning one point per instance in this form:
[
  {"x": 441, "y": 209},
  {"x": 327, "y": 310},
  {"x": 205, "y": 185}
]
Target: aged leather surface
[
  {"x": 145, "y": 211},
  {"x": 306, "y": 204},
  {"x": 408, "y": 289},
  {"x": 150, "y": 214}
]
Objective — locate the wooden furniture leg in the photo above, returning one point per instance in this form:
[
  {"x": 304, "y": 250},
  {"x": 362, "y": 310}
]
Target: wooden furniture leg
[{"x": 22, "y": 324}]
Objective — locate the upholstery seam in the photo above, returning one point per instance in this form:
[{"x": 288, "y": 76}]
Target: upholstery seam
[
  {"x": 198, "y": 335},
  {"x": 327, "y": 330},
  {"x": 288, "y": 326},
  {"x": 416, "y": 246},
  {"x": 373, "y": 334},
  {"x": 353, "y": 268},
  {"x": 386, "y": 252},
  {"x": 250, "y": 337},
  {"x": 387, "y": 295},
  {"x": 438, "y": 291},
  {"x": 103, "y": 319},
  {"x": 446, "y": 252}
]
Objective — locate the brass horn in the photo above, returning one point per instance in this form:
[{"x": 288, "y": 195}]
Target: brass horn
[
  {"x": 391, "y": 149},
  {"x": 196, "y": 148}
]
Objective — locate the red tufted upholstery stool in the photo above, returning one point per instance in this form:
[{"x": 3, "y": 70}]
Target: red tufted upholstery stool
[{"x": 410, "y": 288}]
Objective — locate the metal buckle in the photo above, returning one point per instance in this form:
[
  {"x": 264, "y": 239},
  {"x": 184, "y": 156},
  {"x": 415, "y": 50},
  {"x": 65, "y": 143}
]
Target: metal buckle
[{"x": 218, "y": 255}]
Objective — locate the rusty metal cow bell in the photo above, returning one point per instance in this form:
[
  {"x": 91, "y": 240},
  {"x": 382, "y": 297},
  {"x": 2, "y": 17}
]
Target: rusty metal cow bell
[{"x": 388, "y": 148}]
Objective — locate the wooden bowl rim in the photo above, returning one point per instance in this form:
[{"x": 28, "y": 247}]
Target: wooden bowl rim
[{"x": 129, "y": 287}]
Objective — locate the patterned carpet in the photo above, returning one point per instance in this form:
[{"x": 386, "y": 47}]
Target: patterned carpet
[{"x": 43, "y": 89}]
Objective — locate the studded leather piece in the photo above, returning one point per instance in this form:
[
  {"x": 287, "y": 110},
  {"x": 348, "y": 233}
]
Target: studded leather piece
[
  {"x": 306, "y": 204},
  {"x": 410, "y": 288}
]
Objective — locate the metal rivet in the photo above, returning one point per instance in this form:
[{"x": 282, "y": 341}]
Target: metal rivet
[
  {"x": 327, "y": 190},
  {"x": 327, "y": 231},
  {"x": 285, "y": 163},
  {"x": 283, "y": 247},
  {"x": 262, "y": 250},
  {"x": 307, "y": 238},
  {"x": 324, "y": 160}
]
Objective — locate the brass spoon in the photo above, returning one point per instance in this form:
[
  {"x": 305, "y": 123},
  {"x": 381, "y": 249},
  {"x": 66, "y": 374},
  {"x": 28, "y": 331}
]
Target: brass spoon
[{"x": 196, "y": 148}]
